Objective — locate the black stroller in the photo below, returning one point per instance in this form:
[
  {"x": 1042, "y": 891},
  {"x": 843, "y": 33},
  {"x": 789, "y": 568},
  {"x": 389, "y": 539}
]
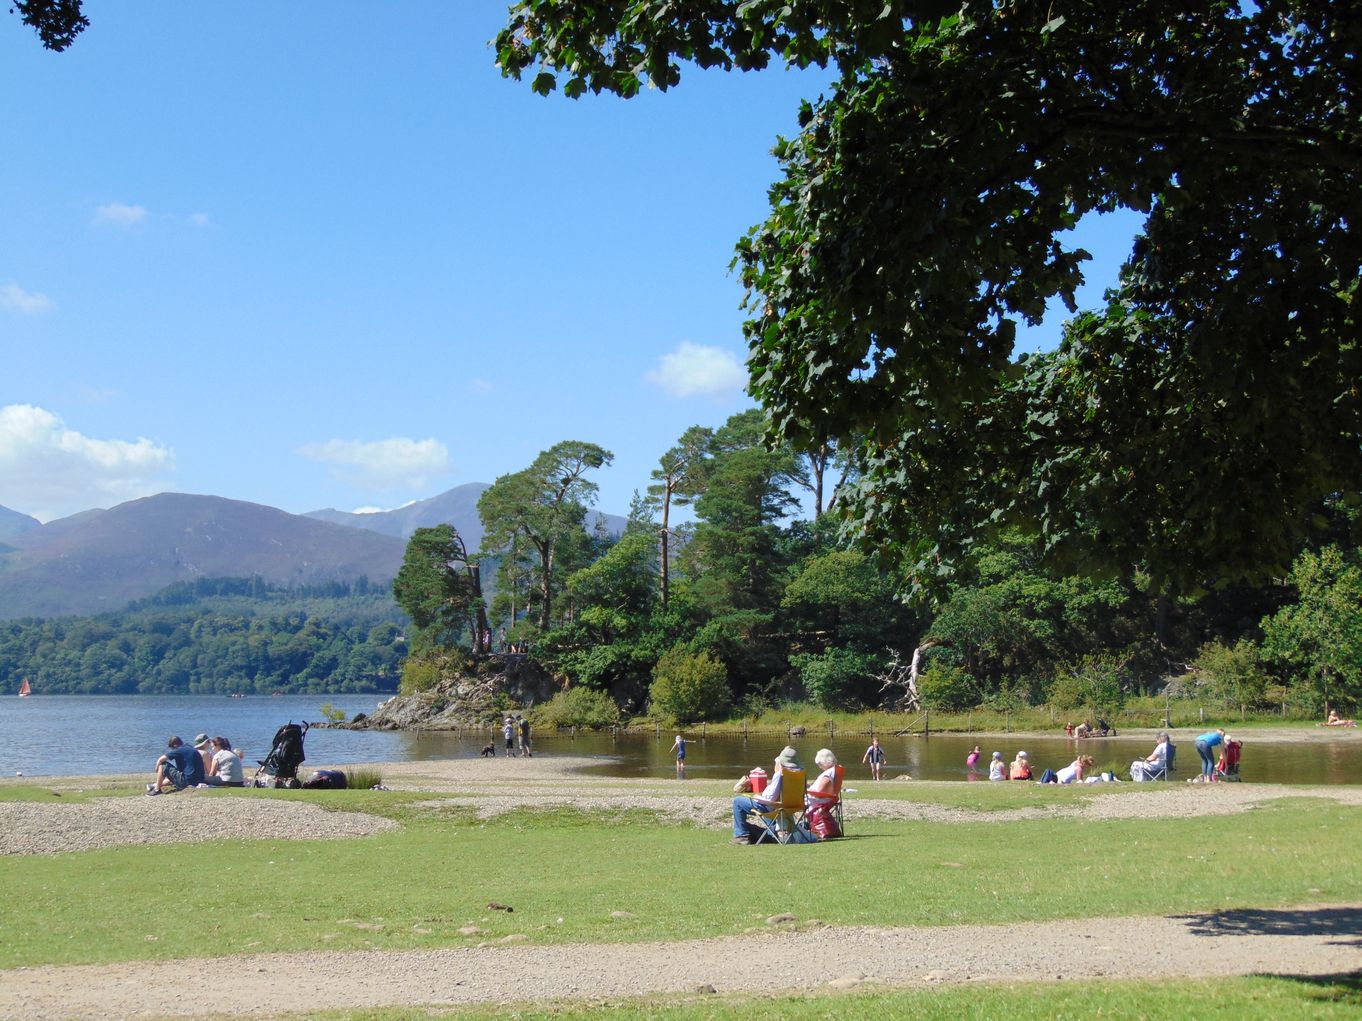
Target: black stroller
[{"x": 280, "y": 767}]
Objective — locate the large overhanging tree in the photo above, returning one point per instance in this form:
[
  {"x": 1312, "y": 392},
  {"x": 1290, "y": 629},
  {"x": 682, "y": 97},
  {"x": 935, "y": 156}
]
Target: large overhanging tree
[{"x": 1197, "y": 425}]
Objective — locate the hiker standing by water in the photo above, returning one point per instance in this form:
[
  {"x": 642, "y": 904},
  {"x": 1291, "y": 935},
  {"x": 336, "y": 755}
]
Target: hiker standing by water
[{"x": 525, "y": 738}]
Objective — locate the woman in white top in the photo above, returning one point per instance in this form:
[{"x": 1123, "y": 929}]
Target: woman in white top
[
  {"x": 1074, "y": 771},
  {"x": 225, "y": 769}
]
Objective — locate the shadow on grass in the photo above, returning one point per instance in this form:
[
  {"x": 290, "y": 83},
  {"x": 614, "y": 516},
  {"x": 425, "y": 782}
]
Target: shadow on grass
[
  {"x": 1344, "y": 924},
  {"x": 1344, "y": 988}
]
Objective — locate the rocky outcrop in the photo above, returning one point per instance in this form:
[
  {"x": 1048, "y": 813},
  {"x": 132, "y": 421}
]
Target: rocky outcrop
[{"x": 470, "y": 700}]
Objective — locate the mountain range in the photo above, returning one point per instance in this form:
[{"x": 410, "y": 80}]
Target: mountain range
[{"x": 100, "y": 560}]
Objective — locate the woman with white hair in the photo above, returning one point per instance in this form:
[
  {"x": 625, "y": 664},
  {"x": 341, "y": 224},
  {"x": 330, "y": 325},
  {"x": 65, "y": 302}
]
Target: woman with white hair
[{"x": 824, "y": 790}]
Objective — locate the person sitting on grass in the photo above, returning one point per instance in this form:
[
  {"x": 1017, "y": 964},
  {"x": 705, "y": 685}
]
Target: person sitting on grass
[
  {"x": 180, "y": 767},
  {"x": 997, "y": 768},
  {"x": 770, "y": 796},
  {"x": 1020, "y": 768},
  {"x": 225, "y": 770},
  {"x": 1335, "y": 720}
]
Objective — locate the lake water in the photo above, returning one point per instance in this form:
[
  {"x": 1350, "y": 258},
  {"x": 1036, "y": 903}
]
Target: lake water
[{"x": 78, "y": 734}]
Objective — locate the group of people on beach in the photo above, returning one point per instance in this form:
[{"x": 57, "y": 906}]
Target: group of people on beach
[{"x": 208, "y": 762}]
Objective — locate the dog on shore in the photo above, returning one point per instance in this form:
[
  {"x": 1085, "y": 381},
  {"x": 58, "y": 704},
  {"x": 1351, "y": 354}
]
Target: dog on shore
[{"x": 489, "y": 748}]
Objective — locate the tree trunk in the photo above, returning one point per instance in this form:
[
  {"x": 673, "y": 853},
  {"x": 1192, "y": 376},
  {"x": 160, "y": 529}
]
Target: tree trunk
[
  {"x": 665, "y": 571},
  {"x": 545, "y": 583}
]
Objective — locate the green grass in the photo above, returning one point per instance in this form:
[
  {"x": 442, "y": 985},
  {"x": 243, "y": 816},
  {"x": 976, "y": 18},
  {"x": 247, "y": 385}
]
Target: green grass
[
  {"x": 1283, "y": 999},
  {"x": 565, "y": 872}
]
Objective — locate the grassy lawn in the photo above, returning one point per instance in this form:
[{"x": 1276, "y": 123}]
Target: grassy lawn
[
  {"x": 1284, "y": 999},
  {"x": 564, "y": 872}
]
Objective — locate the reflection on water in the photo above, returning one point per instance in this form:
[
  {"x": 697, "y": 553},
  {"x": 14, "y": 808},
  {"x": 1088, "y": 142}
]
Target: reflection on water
[{"x": 47, "y": 735}]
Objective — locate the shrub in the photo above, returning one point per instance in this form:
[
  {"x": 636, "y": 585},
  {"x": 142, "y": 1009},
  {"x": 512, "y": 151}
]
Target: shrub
[
  {"x": 689, "y": 687},
  {"x": 331, "y": 714},
  {"x": 1231, "y": 673},
  {"x": 1095, "y": 683},
  {"x": 424, "y": 670},
  {"x": 362, "y": 779},
  {"x": 947, "y": 688},
  {"x": 837, "y": 678},
  {"x": 577, "y": 707}
]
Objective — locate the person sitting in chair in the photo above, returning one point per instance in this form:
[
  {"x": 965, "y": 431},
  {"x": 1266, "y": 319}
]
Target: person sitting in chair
[
  {"x": 769, "y": 797},
  {"x": 1152, "y": 764},
  {"x": 823, "y": 791}
]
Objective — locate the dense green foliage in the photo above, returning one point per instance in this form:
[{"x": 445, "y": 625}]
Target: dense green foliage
[
  {"x": 689, "y": 687},
  {"x": 215, "y": 636},
  {"x": 1189, "y": 429}
]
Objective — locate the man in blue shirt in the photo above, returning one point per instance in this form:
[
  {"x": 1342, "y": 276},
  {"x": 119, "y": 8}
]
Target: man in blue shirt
[{"x": 181, "y": 766}]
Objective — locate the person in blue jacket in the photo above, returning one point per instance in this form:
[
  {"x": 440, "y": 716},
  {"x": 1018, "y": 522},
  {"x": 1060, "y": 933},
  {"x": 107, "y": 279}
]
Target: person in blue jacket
[
  {"x": 1204, "y": 745},
  {"x": 180, "y": 767}
]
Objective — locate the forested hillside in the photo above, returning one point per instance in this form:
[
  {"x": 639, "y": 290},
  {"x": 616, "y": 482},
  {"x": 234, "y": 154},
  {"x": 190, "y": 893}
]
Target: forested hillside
[
  {"x": 215, "y": 636},
  {"x": 758, "y": 600}
]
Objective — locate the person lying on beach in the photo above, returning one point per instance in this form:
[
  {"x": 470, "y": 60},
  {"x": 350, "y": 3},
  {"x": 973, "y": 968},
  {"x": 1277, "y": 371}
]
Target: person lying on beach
[
  {"x": 180, "y": 767},
  {"x": 763, "y": 802},
  {"x": 1335, "y": 720},
  {"x": 1075, "y": 771}
]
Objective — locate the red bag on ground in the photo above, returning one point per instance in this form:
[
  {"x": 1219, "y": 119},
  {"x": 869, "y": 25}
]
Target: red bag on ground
[{"x": 823, "y": 822}]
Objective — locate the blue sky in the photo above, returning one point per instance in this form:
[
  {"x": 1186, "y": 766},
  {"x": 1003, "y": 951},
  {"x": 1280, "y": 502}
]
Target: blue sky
[{"x": 315, "y": 256}]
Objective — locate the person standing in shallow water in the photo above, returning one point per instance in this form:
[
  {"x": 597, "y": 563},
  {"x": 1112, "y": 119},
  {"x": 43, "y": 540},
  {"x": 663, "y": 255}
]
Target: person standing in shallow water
[
  {"x": 679, "y": 746},
  {"x": 874, "y": 755}
]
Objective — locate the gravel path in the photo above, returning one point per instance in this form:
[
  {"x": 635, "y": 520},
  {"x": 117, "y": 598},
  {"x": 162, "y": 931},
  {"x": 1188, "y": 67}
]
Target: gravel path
[{"x": 1303, "y": 941}]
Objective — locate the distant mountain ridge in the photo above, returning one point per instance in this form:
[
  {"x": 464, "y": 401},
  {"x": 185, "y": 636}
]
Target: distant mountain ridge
[
  {"x": 101, "y": 560},
  {"x": 457, "y": 507},
  {"x": 13, "y": 523}
]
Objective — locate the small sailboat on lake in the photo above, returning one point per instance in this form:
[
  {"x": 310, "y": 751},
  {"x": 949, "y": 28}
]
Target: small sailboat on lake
[{"x": 24, "y": 689}]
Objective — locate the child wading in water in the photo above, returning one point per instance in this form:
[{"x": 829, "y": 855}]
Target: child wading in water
[
  {"x": 679, "y": 746},
  {"x": 972, "y": 759},
  {"x": 875, "y": 756}
]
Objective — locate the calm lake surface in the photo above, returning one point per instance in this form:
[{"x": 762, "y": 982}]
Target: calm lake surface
[{"x": 78, "y": 734}]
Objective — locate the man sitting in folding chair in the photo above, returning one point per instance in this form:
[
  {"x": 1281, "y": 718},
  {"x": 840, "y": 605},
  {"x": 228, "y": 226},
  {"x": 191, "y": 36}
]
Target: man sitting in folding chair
[
  {"x": 770, "y": 813},
  {"x": 823, "y": 800}
]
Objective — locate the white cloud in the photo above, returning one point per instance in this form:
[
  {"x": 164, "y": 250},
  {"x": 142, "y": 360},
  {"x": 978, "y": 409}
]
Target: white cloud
[
  {"x": 480, "y": 386},
  {"x": 694, "y": 369},
  {"x": 28, "y": 303},
  {"x": 48, "y": 470},
  {"x": 396, "y": 461},
  {"x": 200, "y": 220},
  {"x": 120, "y": 214}
]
